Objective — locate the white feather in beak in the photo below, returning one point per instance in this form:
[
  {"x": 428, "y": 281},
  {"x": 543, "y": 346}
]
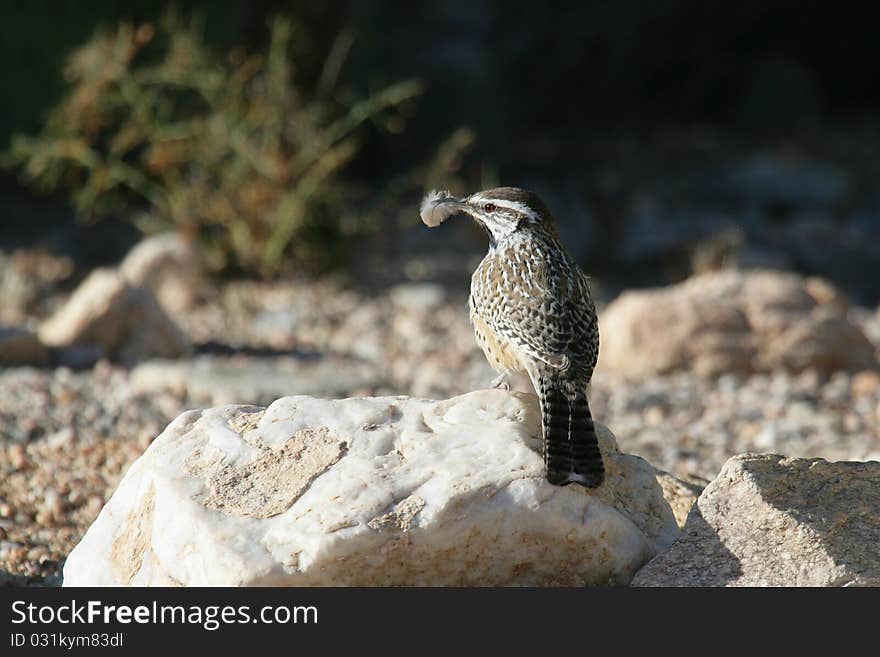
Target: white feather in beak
[{"x": 437, "y": 207}]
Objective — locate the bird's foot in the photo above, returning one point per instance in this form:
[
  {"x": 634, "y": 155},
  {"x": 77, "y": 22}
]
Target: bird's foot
[{"x": 501, "y": 382}]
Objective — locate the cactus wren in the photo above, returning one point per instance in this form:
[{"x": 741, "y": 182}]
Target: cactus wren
[{"x": 532, "y": 313}]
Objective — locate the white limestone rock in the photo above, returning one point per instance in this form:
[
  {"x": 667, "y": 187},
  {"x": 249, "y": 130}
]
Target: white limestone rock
[
  {"x": 732, "y": 321},
  {"x": 168, "y": 265},
  {"x": 771, "y": 520},
  {"x": 373, "y": 491},
  {"x": 116, "y": 320}
]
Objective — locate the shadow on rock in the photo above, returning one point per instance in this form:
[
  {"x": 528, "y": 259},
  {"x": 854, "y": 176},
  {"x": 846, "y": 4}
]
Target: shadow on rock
[
  {"x": 770, "y": 520},
  {"x": 698, "y": 558}
]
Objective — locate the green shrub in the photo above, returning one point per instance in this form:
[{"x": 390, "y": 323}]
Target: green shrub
[{"x": 158, "y": 129}]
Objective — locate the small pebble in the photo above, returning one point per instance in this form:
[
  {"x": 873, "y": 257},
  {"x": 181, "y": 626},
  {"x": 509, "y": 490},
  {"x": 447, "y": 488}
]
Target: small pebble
[
  {"x": 17, "y": 456},
  {"x": 865, "y": 384}
]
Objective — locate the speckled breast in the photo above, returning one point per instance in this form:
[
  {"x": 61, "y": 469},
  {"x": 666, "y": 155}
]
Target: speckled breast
[{"x": 500, "y": 353}]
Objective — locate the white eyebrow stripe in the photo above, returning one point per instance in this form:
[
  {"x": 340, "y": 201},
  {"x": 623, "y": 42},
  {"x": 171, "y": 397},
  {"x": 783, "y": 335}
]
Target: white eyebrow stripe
[{"x": 510, "y": 205}]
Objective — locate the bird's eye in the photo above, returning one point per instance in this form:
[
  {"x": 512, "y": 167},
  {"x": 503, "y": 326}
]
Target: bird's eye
[{"x": 489, "y": 207}]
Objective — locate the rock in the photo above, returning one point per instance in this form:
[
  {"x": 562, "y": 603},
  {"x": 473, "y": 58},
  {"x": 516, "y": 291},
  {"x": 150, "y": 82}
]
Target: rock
[
  {"x": 865, "y": 384},
  {"x": 371, "y": 491},
  {"x": 170, "y": 266},
  {"x": 732, "y": 322},
  {"x": 824, "y": 293},
  {"x": 768, "y": 520},
  {"x": 214, "y": 380},
  {"x": 21, "y": 347},
  {"x": 680, "y": 494},
  {"x": 112, "y": 318},
  {"x": 121, "y": 314},
  {"x": 827, "y": 342}
]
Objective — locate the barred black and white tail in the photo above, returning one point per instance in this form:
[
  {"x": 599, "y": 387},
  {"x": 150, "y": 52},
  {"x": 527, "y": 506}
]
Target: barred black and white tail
[{"x": 571, "y": 448}]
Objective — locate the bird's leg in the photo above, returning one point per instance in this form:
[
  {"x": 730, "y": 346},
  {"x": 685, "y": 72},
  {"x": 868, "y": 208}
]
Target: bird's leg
[{"x": 501, "y": 382}]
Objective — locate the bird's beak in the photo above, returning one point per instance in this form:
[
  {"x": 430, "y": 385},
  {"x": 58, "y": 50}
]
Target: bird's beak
[{"x": 438, "y": 206}]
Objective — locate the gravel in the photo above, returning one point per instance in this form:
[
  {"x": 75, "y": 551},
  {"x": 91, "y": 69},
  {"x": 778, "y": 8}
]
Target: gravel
[
  {"x": 691, "y": 427},
  {"x": 67, "y": 438}
]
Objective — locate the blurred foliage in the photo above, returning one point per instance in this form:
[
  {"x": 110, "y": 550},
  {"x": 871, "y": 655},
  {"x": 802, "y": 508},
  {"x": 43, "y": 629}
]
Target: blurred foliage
[{"x": 158, "y": 129}]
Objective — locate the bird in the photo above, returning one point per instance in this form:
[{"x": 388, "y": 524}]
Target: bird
[{"x": 533, "y": 314}]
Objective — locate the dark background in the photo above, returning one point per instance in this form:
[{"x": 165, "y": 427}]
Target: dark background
[{"x": 652, "y": 129}]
